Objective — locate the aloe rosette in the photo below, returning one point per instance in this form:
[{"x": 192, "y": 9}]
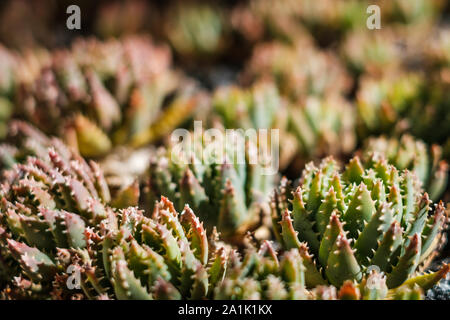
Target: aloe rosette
[
  {"x": 227, "y": 184},
  {"x": 373, "y": 52},
  {"x": 48, "y": 204},
  {"x": 267, "y": 274},
  {"x": 167, "y": 256},
  {"x": 257, "y": 107},
  {"x": 98, "y": 95},
  {"x": 63, "y": 237},
  {"x": 404, "y": 103},
  {"x": 15, "y": 69},
  {"x": 299, "y": 70},
  {"x": 350, "y": 222},
  {"x": 323, "y": 126},
  {"x": 309, "y": 129},
  {"x": 25, "y": 141},
  {"x": 318, "y": 120},
  {"x": 414, "y": 155},
  {"x": 262, "y": 274}
]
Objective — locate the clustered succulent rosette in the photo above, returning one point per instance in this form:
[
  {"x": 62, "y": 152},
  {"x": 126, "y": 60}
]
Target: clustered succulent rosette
[
  {"x": 47, "y": 205},
  {"x": 329, "y": 20},
  {"x": 405, "y": 27},
  {"x": 15, "y": 69},
  {"x": 284, "y": 20},
  {"x": 312, "y": 84},
  {"x": 226, "y": 184},
  {"x": 349, "y": 223},
  {"x": 299, "y": 70},
  {"x": 322, "y": 126},
  {"x": 257, "y": 107},
  {"x": 373, "y": 52},
  {"x": 267, "y": 274},
  {"x": 308, "y": 129},
  {"x": 404, "y": 102},
  {"x": 200, "y": 217},
  {"x": 27, "y": 141},
  {"x": 55, "y": 221},
  {"x": 115, "y": 19},
  {"x": 167, "y": 256},
  {"x": 101, "y": 94},
  {"x": 414, "y": 155}
]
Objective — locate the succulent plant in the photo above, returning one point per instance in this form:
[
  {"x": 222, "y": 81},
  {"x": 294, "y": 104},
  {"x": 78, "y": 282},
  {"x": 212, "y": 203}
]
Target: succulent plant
[
  {"x": 260, "y": 274},
  {"x": 404, "y": 102},
  {"x": 414, "y": 155},
  {"x": 254, "y": 107},
  {"x": 365, "y": 51},
  {"x": 299, "y": 70},
  {"x": 257, "y": 107},
  {"x": 349, "y": 223},
  {"x": 316, "y": 119},
  {"x": 121, "y": 255},
  {"x": 267, "y": 274},
  {"x": 226, "y": 183},
  {"x": 195, "y": 28},
  {"x": 26, "y": 141},
  {"x": 329, "y": 20},
  {"x": 394, "y": 49},
  {"x": 164, "y": 257},
  {"x": 325, "y": 20},
  {"x": 101, "y": 94},
  {"x": 47, "y": 205},
  {"x": 55, "y": 222},
  {"x": 167, "y": 256},
  {"x": 323, "y": 126},
  {"x": 308, "y": 130},
  {"x": 15, "y": 69}
]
